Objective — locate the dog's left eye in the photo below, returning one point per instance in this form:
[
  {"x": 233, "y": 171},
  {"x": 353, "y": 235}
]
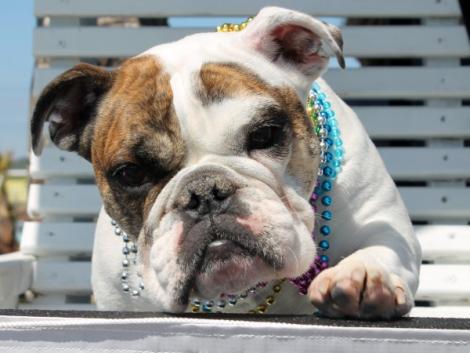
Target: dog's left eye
[
  {"x": 130, "y": 175},
  {"x": 265, "y": 137}
]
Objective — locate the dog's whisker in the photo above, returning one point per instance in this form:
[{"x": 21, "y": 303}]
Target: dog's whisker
[{"x": 297, "y": 261}]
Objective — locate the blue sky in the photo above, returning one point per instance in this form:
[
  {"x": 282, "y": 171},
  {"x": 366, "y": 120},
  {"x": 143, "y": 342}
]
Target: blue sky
[{"x": 16, "y": 63}]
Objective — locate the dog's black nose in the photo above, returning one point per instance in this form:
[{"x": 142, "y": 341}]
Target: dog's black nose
[{"x": 207, "y": 194}]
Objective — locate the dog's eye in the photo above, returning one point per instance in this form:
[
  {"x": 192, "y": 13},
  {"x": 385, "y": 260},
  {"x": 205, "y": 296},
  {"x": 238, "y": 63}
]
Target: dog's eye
[
  {"x": 130, "y": 175},
  {"x": 264, "y": 137}
]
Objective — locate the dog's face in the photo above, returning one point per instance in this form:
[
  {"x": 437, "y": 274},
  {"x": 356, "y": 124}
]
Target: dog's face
[{"x": 203, "y": 151}]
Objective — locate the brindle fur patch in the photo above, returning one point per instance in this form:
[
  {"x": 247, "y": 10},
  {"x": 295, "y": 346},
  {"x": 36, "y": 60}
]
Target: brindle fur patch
[
  {"x": 137, "y": 124},
  {"x": 218, "y": 81}
]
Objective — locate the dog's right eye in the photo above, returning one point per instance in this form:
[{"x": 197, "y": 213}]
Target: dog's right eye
[{"x": 130, "y": 175}]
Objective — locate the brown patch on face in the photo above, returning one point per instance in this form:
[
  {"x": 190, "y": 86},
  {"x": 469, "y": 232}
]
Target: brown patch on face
[
  {"x": 136, "y": 125},
  {"x": 305, "y": 147},
  {"x": 219, "y": 81}
]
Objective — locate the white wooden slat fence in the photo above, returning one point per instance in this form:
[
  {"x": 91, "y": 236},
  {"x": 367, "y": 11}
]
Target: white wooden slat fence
[
  {"x": 415, "y": 112},
  {"x": 164, "y": 8},
  {"x": 363, "y": 83},
  {"x": 359, "y": 41},
  {"x": 404, "y": 163}
]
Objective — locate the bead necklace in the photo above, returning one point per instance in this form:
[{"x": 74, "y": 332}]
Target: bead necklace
[
  {"x": 331, "y": 157},
  {"x": 129, "y": 251}
]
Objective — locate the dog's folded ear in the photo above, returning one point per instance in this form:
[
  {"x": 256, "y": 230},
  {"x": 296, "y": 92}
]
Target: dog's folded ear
[
  {"x": 70, "y": 103},
  {"x": 293, "y": 38}
]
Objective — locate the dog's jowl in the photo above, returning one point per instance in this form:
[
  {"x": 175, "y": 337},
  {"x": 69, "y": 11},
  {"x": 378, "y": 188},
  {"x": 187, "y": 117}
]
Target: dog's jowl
[{"x": 206, "y": 157}]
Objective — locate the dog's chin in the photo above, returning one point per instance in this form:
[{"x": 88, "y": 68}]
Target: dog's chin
[{"x": 228, "y": 268}]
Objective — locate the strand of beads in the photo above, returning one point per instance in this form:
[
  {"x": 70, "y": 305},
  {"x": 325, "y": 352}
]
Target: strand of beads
[
  {"x": 331, "y": 156},
  {"x": 207, "y": 306},
  {"x": 219, "y": 305},
  {"x": 234, "y": 27},
  {"x": 130, "y": 258}
]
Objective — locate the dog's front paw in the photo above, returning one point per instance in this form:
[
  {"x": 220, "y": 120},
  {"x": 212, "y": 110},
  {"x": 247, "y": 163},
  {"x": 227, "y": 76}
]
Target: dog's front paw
[{"x": 359, "y": 290}]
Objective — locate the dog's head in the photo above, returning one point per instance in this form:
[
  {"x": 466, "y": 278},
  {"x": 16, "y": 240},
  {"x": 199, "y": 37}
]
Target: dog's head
[{"x": 203, "y": 151}]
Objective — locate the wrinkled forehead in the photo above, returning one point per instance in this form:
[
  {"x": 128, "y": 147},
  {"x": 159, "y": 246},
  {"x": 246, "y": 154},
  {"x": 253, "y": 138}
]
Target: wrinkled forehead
[
  {"x": 203, "y": 86},
  {"x": 219, "y": 86},
  {"x": 188, "y": 55},
  {"x": 215, "y": 103}
]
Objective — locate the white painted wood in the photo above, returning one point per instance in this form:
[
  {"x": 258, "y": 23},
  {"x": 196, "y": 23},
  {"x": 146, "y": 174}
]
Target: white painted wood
[
  {"x": 53, "y": 238},
  {"x": 445, "y": 243},
  {"x": 426, "y": 203},
  {"x": 63, "y": 200},
  {"x": 445, "y": 311},
  {"x": 164, "y": 8},
  {"x": 437, "y": 282},
  {"x": 444, "y": 282},
  {"x": 38, "y": 300},
  {"x": 16, "y": 271},
  {"x": 54, "y": 276},
  {"x": 403, "y": 163},
  {"x": 401, "y": 82},
  {"x": 57, "y": 163},
  {"x": 415, "y": 122},
  {"x": 423, "y": 203},
  {"x": 440, "y": 243},
  {"x": 365, "y": 83},
  {"x": 360, "y": 41},
  {"x": 406, "y": 163},
  {"x": 381, "y": 122},
  {"x": 55, "y": 305}
]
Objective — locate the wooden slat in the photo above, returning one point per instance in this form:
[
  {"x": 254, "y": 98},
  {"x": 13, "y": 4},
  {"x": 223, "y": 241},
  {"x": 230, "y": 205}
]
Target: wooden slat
[
  {"x": 445, "y": 243},
  {"x": 439, "y": 243},
  {"x": 52, "y": 238},
  {"x": 55, "y": 163},
  {"x": 360, "y": 41},
  {"x": 415, "y": 122},
  {"x": 16, "y": 273},
  {"x": 51, "y": 305},
  {"x": 444, "y": 282},
  {"x": 53, "y": 276},
  {"x": 426, "y": 203},
  {"x": 63, "y": 201},
  {"x": 437, "y": 282},
  {"x": 403, "y": 163},
  {"x": 405, "y": 41},
  {"x": 164, "y": 8},
  {"x": 406, "y": 163},
  {"x": 401, "y": 82},
  {"x": 444, "y": 311},
  {"x": 423, "y": 203},
  {"x": 380, "y": 122},
  {"x": 370, "y": 83}
]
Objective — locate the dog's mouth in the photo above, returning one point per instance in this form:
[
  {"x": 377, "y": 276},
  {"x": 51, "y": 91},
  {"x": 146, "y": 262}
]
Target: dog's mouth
[
  {"x": 227, "y": 258},
  {"x": 222, "y": 251}
]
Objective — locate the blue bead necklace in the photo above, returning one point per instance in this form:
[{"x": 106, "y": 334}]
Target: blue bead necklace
[{"x": 331, "y": 157}]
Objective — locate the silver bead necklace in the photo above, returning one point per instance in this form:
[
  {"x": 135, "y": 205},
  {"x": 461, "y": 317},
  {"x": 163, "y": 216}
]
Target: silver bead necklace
[{"x": 129, "y": 251}]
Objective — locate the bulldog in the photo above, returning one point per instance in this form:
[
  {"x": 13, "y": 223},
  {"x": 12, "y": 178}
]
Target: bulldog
[{"x": 205, "y": 160}]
